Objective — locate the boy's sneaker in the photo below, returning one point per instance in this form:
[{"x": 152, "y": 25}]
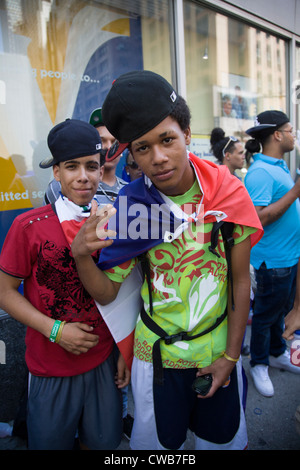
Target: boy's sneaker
[
  {"x": 261, "y": 379},
  {"x": 127, "y": 426},
  {"x": 283, "y": 362}
]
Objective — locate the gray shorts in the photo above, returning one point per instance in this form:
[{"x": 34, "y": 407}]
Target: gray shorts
[{"x": 90, "y": 404}]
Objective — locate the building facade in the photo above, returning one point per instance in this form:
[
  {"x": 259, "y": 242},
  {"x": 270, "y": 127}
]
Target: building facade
[{"x": 59, "y": 58}]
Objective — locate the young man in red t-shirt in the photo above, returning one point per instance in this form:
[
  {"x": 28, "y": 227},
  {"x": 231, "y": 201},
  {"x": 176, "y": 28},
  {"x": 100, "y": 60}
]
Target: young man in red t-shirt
[{"x": 69, "y": 347}]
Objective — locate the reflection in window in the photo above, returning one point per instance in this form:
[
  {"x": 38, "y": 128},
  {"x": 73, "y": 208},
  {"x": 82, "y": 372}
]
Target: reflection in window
[
  {"x": 258, "y": 52},
  {"x": 58, "y": 60},
  {"x": 244, "y": 70}
]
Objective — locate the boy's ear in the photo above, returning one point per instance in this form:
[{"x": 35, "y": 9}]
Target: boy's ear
[
  {"x": 187, "y": 136},
  {"x": 101, "y": 171},
  {"x": 56, "y": 172}
]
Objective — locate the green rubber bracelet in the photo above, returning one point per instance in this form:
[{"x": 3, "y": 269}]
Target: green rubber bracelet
[{"x": 54, "y": 331}]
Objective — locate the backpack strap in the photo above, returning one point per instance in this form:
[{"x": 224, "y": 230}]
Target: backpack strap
[
  {"x": 214, "y": 237},
  {"x": 170, "y": 339}
]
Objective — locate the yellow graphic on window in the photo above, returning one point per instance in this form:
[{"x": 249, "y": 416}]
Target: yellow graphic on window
[
  {"x": 13, "y": 194},
  {"x": 120, "y": 26}
]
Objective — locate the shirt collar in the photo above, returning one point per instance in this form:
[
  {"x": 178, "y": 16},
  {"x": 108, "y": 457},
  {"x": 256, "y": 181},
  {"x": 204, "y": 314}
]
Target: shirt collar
[{"x": 272, "y": 161}]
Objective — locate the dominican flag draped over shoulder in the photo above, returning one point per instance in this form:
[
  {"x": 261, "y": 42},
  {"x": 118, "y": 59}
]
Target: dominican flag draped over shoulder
[
  {"x": 160, "y": 220},
  {"x": 145, "y": 218},
  {"x": 71, "y": 216}
]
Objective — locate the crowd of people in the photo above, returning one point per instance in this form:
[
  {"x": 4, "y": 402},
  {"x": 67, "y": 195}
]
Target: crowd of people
[{"x": 154, "y": 292}]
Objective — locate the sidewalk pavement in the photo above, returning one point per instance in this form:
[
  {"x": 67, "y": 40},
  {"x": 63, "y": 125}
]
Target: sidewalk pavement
[{"x": 270, "y": 421}]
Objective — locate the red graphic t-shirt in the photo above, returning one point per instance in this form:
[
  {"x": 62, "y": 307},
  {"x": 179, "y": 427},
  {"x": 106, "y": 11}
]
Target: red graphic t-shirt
[{"x": 37, "y": 251}]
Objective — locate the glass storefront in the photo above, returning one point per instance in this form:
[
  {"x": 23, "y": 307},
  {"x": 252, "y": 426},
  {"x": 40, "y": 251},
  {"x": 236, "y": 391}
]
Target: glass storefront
[
  {"x": 234, "y": 71},
  {"x": 59, "y": 59}
]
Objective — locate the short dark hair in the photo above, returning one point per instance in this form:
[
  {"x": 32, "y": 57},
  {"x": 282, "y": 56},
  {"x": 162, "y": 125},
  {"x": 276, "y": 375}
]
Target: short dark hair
[{"x": 181, "y": 113}]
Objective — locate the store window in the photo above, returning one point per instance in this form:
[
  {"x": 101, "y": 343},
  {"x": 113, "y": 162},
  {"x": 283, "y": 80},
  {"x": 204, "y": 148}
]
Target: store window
[
  {"x": 57, "y": 61},
  {"x": 233, "y": 72}
]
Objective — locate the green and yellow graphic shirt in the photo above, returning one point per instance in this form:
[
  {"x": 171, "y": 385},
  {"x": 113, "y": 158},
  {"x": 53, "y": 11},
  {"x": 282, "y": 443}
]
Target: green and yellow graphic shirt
[{"x": 189, "y": 292}]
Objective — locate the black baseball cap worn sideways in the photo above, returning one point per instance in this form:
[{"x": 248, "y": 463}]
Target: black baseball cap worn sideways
[
  {"x": 71, "y": 139},
  {"x": 136, "y": 103},
  {"x": 268, "y": 120}
]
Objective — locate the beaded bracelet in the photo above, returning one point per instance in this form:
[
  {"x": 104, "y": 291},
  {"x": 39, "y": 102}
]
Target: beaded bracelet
[{"x": 230, "y": 358}]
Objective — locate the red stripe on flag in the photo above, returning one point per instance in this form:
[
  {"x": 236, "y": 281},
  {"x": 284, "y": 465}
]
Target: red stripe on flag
[{"x": 126, "y": 348}]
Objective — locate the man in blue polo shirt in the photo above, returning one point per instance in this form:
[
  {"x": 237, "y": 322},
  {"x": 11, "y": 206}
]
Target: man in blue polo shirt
[{"x": 275, "y": 257}]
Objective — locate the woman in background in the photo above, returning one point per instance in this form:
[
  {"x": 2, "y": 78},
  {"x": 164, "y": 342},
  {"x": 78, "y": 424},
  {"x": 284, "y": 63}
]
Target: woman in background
[{"x": 228, "y": 151}]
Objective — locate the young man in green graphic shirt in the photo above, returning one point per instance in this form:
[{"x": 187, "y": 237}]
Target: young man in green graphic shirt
[{"x": 189, "y": 285}]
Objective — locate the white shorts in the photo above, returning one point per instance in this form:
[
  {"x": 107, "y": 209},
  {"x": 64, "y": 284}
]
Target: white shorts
[{"x": 144, "y": 434}]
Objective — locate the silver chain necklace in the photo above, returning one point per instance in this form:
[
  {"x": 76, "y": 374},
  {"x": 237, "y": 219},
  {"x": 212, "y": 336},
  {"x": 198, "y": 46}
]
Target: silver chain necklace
[{"x": 112, "y": 198}]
